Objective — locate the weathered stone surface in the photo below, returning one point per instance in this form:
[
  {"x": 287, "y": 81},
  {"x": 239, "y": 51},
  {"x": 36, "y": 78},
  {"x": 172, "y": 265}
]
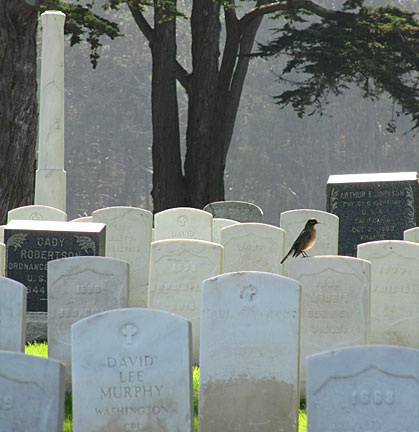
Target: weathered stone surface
[
  {"x": 128, "y": 237},
  {"x": 77, "y": 288},
  {"x": 334, "y": 304},
  {"x": 252, "y": 246},
  {"x": 249, "y": 353},
  {"x": 12, "y": 315},
  {"x": 239, "y": 211},
  {"x": 177, "y": 268},
  {"x": 368, "y": 388},
  {"x": 32, "y": 393},
  {"x": 217, "y": 225},
  {"x": 412, "y": 235},
  {"x": 394, "y": 291},
  {"x": 373, "y": 207},
  {"x": 2, "y": 259},
  {"x": 31, "y": 244},
  {"x": 132, "y": 371},
  {"x": 183, "y": 223},
  {"x": 37, "y": 213}
]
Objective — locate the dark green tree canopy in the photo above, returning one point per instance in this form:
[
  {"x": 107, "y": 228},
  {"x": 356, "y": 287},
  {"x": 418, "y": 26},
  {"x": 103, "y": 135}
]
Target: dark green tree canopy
[{"x": 376, "y": 49}]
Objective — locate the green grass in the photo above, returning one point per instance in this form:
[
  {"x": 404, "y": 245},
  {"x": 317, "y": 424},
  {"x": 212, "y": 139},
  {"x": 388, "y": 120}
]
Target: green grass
[{"x": 41, "y": 349}]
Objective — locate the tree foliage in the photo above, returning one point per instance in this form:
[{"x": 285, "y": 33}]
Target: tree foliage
[{"x": 376, "y": 49}]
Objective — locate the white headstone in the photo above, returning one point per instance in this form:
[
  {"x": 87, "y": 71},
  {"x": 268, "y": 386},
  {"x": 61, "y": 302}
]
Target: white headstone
[
  {"x": 177, "y": 268},
  {"x": 240, "y": 211},
  {"x": 217, "y": 225},
  {"x": 394, "y": 291},
  {"x": 183, "y": 223},
  {"x": 128, "y": 237},
  {"x": 37, "y": 213},
  {"x": 77, "y": 288},
  {"x": 2, "y": 259},
  {"x": 249, "y": 353},
  {"x": 32, "y": 393},
  {"x": 50, "y": 182},
  {"x": 132, "y": 371},
  {"x": 252, "y": 246},
  {"x": 368, "y": 388},
  {"x": 412, "y": 235},
  {"x": 83, "y": 219},
  {"x": 12, "y": 316},
  {"x": 327, "y": 230},
  {"x": 334, "y": 304}
]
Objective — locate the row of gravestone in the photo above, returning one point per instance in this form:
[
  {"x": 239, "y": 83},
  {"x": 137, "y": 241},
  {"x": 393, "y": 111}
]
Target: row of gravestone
[
  {"x": 247, "y": 246},
  {"x": 338, "y": 306},
  {"x": 132, "y": 371}
]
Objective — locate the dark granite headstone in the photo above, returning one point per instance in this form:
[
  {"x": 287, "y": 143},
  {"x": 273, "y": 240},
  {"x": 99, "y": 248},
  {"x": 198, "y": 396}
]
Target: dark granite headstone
[
  {"x": 373, "y": 207},
  {"x": 239, "y": 211},
  {"x": 31, "y": 244}
]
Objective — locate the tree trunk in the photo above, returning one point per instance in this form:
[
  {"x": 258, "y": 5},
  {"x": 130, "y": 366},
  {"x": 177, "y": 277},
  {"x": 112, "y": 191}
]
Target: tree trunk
[
  {"x": 18, "y": 103},
  {"x": 168, "y": 183}
]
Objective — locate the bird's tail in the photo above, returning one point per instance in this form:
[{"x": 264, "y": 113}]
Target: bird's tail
[{"x": 286, "y": 256}]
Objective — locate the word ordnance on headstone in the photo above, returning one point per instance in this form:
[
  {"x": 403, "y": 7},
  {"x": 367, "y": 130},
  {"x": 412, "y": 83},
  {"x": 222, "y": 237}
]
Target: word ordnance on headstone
[
  {"x": 12, "y": 316},
  {"x": 249, "y": 353},
  {"x": 366, "y": 388},
  {"x": 32, "y": 393},
  {"x": 373, "y": 207},
  {"x": 334, "y": 303},
  {"x": 394, "y": 291},
  {"x": 77, "y": 288},
  {"x": 31, "y": 244},
  {"x": 132, "y": 372},
  {"x": 239, "y": 211}
]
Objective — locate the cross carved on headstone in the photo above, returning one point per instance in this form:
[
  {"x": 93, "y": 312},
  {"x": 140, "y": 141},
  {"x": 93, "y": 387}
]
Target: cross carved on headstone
[{"x": 129, "y": 331}]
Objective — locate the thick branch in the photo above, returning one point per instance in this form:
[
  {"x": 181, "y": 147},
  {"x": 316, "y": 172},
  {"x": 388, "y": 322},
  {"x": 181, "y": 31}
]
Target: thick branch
[
  {"x": 291, "y": 5},
  {"x": 182, "y": 74}
]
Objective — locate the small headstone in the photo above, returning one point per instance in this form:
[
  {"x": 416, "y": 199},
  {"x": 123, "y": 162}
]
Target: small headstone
[
  {"x": 177, "y": 268},
  {"x": 249, "y": 353},
  {"x": 128, "y": 237},
  {"x": 37, "y": 213},
  {"x": 31, "y": 244},
  {"x": 368, "y": 388},
  {"x": 412, "y": 235},
  {"x": 217, "y": 225},
  {"x": 32, "y": 393},
  {"x": 239, "y": 211},
  {"x": 183, "y": 223},
  {"x": 373, "y": 207},
  {"x": 132, "y": 371},
  {"x": 77, "y": 288},
  {"x": 12, "y": 316},
  {"x": 252, "y": 246},
  {"x": 83, "y": 219},
  {"x": 327, "y": 231},
  {"x": 334, "y": 304},
  {"x": 394, "y": 291},
  {"x": 2, "y": 259}
]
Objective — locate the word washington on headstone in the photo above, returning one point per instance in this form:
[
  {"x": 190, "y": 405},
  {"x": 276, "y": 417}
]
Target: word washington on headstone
[
  {"x": 373, "y": 207},
  {"x": 30, "y": 245}
]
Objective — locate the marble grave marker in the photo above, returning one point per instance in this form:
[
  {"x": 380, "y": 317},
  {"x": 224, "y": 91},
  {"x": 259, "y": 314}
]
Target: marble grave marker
[
  {"x": 249, "y": 353},
  {"x": 132, "y": 372},
  {"x": 239, "y": 211}
]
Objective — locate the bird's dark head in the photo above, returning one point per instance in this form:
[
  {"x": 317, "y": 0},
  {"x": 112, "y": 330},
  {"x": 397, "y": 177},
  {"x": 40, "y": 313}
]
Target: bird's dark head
[{"x": 311, "y": 223}]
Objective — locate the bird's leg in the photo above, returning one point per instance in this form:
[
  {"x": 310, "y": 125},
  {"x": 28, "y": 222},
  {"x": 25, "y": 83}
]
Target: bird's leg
[{"x": 304, "y": 254}]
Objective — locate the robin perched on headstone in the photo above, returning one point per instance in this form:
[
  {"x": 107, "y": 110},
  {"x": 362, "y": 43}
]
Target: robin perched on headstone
[{"x": 304, "y": 241}]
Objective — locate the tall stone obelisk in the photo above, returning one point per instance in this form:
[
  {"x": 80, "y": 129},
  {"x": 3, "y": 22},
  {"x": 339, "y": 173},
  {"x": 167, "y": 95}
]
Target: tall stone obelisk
[{"x": 50, "y": 181}]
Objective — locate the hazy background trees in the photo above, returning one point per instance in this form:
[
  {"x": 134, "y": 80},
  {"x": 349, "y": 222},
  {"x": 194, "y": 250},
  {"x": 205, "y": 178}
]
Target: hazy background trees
[{"x": 276, "y": 160}]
